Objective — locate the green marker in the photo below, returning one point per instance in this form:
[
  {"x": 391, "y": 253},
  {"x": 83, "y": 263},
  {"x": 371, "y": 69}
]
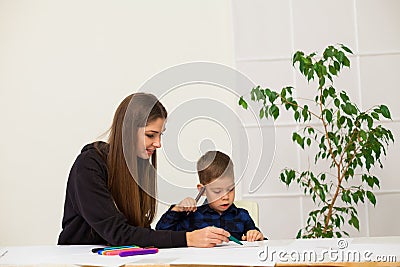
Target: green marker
[{"x": 231, "y": 238}]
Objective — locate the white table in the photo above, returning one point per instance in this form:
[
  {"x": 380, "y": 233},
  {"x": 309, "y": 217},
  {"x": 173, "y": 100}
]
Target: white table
[{"x": 262, "y": 253}]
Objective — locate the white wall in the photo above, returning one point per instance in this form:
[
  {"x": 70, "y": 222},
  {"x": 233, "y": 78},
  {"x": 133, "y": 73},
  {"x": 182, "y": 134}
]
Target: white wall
[
  {"x": 267, "y": 33},
  {"x": 64, "y": 68}
]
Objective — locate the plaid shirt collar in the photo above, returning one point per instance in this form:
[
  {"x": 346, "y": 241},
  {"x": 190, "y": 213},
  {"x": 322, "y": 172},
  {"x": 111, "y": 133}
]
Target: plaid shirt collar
[{"x": 205, "y": 208}]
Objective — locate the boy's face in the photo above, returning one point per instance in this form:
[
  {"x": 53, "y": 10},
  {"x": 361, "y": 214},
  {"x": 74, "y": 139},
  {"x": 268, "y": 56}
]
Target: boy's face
[{"x": 220, "y": 193}]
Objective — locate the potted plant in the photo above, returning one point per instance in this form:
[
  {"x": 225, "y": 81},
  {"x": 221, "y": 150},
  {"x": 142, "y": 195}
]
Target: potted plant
[{"x": 349, "y": 139}]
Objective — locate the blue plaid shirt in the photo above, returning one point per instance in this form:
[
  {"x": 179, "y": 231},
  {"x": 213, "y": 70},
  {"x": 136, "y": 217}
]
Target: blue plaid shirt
[{"x": 236, "y": 221}]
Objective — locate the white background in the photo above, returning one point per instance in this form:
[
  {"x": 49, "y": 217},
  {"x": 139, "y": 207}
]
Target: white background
[{"x": 66, "y": 65}]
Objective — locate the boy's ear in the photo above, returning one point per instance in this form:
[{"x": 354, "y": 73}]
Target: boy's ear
[{"x": 200, "y": 187}]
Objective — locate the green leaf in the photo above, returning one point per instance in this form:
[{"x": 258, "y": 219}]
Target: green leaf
[
  {"x": 308, "y": 141},
  {"x": 298, "y": 139},
  {"x": 353, "y": 109},
  {"x": 371, "y": 197},
  {"x": 304, "y": 112},
  {"x": 346, "y": 108},
  {"x": 273, "y": 96},
  {"x": 274, "y": 111},
  {"x": 337, "y": 102},
  {"x": 376, "y": 181},
  {"x": 385, "y": 112},
  {"x": 346, "y": 197},
  {"x": 354, "y": 221},
  {"x": 369, "y": 122},
  {"x": 321, "y": 194},
  {"x": 346, "y": 62},
  {"x": 342, "y": 119},
  {"x": 297, "y": 56},
  {"x": 328, "y": 115},
  {"x": 344, "y": 97},
  {"x": 321, "y": 81},
  {"x": 298, "y": 234},
  {"x": 375, "y": 115},
  {"x": 363, "y": 135},
  {"x": 310, "y": 75},
  {"x": 337, "y": 65},
  {"x": 268, "y": 92},
  {"x": 325, "y": 92},
  {"x": 369, "y": 160},
  {"x": 355, "y": 197},
  {"x": 283, "y": 178},
  {"x": 332, "y": 70},
  {"x": 242, "y": 102},
  {"x": 332, "y": 92},
  {"x": 283, "y": 92},
  {"x": 346, "y": 49},
  {"x": 296, "y": 115},
  {"x": 261, "y": 113},
  {"x": 361, "y": 195},
  {"x": 290, "y": 176},
  {"x": 257, "y": 93}
]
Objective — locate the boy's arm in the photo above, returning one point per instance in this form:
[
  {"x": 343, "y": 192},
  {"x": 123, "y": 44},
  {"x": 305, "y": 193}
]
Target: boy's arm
[
  {"x": 251, "y": 232},
  {"x": 248, "y": 222},
  {"x": 172, "y": 220}
]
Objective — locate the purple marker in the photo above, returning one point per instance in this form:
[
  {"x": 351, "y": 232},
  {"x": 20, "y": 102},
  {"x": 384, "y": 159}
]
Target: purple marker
[{"x": 138, "y": 252}]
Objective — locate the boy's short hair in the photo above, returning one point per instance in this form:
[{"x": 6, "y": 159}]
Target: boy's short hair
[{"x": 212, "y": 165}]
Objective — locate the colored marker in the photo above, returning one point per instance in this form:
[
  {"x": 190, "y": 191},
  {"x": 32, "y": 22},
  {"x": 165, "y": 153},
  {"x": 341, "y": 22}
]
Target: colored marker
[
  {"x": 232, "y": 238},
  {"x": 201, "y": 191},
  {"x": 97, "y": 250},
  {"x": 115, "y": 252},
  {"x": 143, "y": 251}
]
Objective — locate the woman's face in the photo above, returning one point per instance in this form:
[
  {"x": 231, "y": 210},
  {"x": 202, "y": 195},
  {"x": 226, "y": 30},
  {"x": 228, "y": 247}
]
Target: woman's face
[{"x": 149, "y": 138}]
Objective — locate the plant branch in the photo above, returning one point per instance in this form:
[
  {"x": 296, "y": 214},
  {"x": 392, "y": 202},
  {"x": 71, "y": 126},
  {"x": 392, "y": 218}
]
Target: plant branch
[
  {"x": 326, "y": 130},
  {"x": 298, "y": 106}
]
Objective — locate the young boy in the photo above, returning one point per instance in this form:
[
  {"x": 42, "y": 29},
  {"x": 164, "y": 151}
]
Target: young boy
[{"x": 215, "y": 171}]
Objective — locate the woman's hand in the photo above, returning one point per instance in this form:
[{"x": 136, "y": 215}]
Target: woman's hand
[
  {"x": 188, "y": 205},
  {"x": 207, "y": 237},
  {"x": 253, "y": 235}
]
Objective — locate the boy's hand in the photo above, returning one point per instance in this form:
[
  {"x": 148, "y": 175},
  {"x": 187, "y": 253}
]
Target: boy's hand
[
  {"x": 253, "y": 235},
  {"x": 188, "y": 204}
]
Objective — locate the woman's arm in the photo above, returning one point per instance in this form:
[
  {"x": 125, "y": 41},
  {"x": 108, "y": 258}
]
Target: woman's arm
[{"x": 92, "y": 214}]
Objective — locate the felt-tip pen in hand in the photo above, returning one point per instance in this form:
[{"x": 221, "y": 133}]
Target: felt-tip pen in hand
[{"x": 232, "y": 238}]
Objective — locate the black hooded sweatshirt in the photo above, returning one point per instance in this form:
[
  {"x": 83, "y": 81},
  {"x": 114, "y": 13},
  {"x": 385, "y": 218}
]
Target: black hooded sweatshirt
[{"x": 91, "y": 216}]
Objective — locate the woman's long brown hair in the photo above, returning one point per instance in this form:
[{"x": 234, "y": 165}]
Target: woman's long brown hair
[{"x": 131, "y": 180}]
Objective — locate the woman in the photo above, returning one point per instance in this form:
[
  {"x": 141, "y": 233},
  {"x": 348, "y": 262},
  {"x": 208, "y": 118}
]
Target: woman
[{"x": 110, "y": 196}]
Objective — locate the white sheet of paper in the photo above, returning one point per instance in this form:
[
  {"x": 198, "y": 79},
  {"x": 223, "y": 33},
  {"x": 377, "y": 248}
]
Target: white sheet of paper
[{"x": 232, "y": 244}]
